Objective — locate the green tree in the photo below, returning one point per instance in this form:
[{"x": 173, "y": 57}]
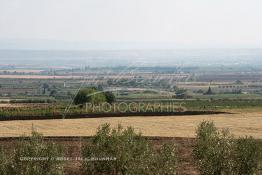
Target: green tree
[
  {"x": 180, "y": 93},
  {"x": 110, "y": 97},
  {"x": 209, "y": 91},
  {"x": 238, "y": 82},
  {"x": 45, "y": 87},
  {"x": 89, "y": 95},
  {"x": 53, "y": 93},
  {"x": 100, "y": 87}
]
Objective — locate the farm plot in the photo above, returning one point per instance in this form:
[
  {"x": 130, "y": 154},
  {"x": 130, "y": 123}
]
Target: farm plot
[{"x": 239, "y": 124}]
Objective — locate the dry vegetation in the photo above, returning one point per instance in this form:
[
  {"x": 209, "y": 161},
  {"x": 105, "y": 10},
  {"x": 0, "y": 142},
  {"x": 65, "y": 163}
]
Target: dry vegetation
[{"x": 240, "y": 124}]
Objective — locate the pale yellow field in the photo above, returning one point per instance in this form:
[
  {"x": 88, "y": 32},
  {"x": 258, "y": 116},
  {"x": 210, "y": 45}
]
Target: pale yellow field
[{"x": 170, "y": 126}]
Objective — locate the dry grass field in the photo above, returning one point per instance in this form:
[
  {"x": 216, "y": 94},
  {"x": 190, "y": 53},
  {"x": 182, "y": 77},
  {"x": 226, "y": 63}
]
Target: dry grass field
[{"x": 240, "y": 124}]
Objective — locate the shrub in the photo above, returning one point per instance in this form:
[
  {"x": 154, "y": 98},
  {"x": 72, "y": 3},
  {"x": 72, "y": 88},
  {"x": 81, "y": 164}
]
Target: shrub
[
  {"x": 133, "y": 154},
  {"x": 218, "y": 153},
  {"x": 206, "y": 150},
  {"x": 248, "y": 155},
  {"x": 166, "y": 160},
  {"x": 4, "y": 163},
  {"x": 32, "y": 148}
]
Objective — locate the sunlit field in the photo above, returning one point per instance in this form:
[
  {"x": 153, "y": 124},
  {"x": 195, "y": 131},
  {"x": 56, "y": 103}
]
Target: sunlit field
[{"x": 240, "y": 123}]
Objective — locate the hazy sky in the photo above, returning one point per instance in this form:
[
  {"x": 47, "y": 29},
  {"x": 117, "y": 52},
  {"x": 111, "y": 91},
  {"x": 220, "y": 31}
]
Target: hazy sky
[{"x": 187, "y": 23}]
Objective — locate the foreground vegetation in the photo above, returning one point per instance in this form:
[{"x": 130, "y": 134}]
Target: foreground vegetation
[
  {"x": 124, "y": 151},
  {"x": 32, "y": 157},
  {"x": 219, "y": 153},
  {"x": 110, "y": 151},
  {"x": 131, "y": 153}
]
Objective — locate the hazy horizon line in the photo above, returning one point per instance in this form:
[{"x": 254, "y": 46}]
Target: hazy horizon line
[{"x": 49, "y": 44}]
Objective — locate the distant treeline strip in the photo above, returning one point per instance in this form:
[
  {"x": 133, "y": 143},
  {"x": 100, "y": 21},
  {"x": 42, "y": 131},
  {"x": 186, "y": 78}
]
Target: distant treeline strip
[
  {"x": 103, "y": 115},
  {"x": 16, "y": 101}
]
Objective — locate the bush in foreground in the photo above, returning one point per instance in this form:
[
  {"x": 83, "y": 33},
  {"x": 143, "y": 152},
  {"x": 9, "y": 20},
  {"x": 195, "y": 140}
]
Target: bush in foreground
[
  {"x": 32, "y": 156},
  {"x": 248, "y": 156},
  {"x": 130, "y": 153},
  {"x": 4, "y": 163},
  {"x": 218, "y": 153}
]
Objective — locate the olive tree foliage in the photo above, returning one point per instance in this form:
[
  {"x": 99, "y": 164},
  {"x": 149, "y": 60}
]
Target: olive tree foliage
[
  {"x": 213, "y": 150},
  {"x": 219, "y": 153},
  {"x": 32, "y": 157},
  {"x": 248, "y": 156},
  {"x": 4, "y": 163},
  {"x": 129, "y": 153}
]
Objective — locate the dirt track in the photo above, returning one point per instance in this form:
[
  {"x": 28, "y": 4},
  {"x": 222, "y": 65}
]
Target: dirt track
[{"x": 240, "y": 124}]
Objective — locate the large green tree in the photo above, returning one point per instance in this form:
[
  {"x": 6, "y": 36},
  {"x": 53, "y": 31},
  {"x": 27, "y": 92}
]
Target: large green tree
[
  {"x": 89, "y": 95},
  {"x": 110, "y": 97}
]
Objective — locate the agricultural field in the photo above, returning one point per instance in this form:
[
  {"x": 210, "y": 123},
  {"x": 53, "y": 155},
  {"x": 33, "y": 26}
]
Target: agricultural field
[
  {"x": 239, "y": 123},
  {"x": 36, "y": 94}
]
